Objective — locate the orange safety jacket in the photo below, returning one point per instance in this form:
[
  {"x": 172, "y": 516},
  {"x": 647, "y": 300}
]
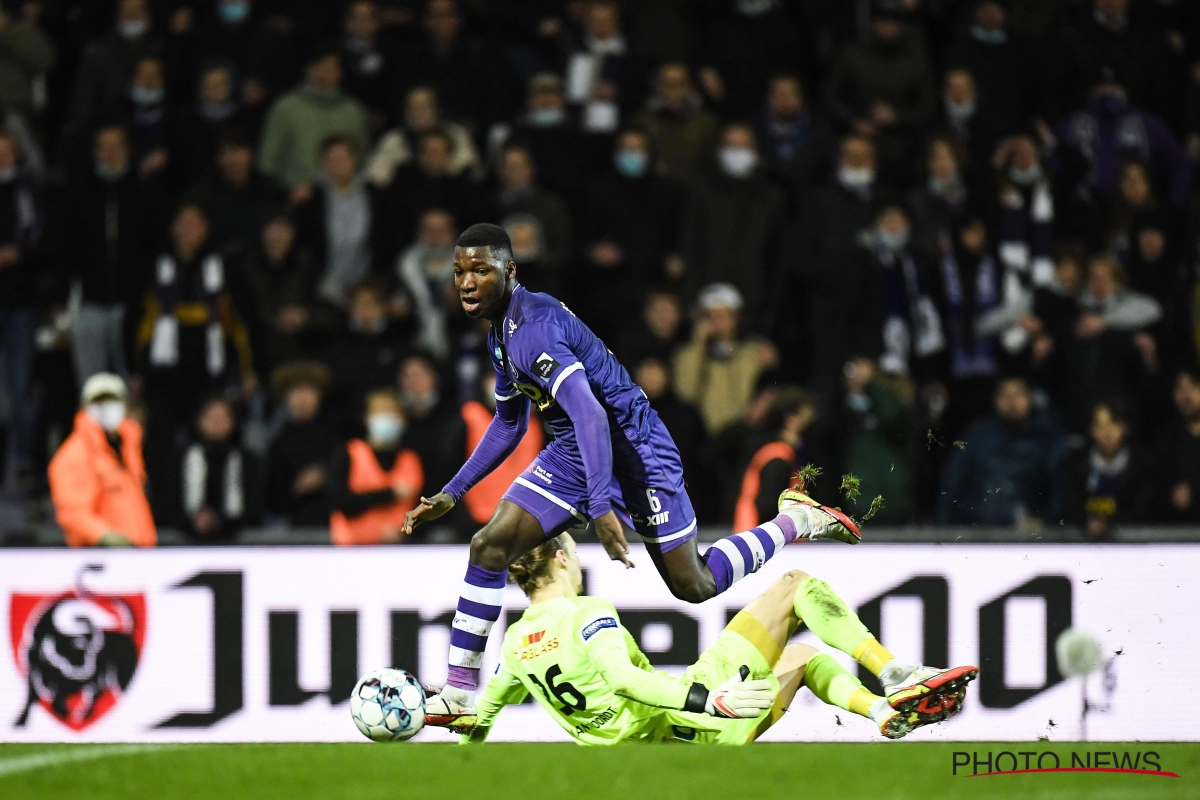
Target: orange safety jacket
[
  {"x": 484, "y": 496},
  {"x": 367, "y": 476},
  {"x": 94, "y": 492},
  {"x": 745, "y": 515}
]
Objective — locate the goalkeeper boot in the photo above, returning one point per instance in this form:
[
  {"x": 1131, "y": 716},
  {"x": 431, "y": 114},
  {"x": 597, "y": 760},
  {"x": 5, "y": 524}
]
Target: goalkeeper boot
[
  {"x": 933, "y": 694},
  {"x": 450, "y": 708},
  {"x": 813, "y": 520}
]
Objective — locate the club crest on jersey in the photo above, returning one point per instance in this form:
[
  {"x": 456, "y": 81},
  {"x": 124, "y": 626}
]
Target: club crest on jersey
[{"x": 545, "y": 366}]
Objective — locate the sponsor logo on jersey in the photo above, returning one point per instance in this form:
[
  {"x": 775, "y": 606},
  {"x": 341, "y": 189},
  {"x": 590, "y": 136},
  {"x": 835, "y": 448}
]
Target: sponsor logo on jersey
[
  {"x": 543, "y": 475},
  {"x": 544, "y": 366},
  {"x": 538, "y": 647},
  {"x": 512, "y": 327},
  {"x": 595, "y": 626}
]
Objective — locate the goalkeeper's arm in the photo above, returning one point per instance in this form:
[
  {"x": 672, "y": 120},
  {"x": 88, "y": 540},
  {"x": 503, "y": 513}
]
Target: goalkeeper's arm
[
  {"x": 735, "y": 698},
  {"x": 504, "y": 689}
]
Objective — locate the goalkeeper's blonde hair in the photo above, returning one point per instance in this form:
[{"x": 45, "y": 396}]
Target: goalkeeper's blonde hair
[{"x": 532, "y": 570}]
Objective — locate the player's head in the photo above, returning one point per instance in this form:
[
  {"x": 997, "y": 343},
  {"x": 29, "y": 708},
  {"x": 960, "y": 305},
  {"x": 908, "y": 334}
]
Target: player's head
[
  {"x": 484, "y": 270},
  {"x": 551, "y": 564}
]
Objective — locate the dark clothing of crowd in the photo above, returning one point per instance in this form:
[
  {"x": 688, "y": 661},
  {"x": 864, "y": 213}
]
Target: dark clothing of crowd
[{"x": 759, "y": 144}]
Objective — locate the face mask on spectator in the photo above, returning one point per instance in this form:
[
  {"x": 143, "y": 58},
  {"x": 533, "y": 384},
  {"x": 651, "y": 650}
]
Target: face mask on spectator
[
  {"x": 754, "y": 8},
  {"x": 945, "y": 187},
  {"x": 146, "y": 97},
  {"x": 384, "y": 428},
  {"x": 893, "y": 242},
  {"x": 631, "y": 163},
  {"x": 989, "y": 37},
  {"x": 105, "y": 172},
  {"x": 960, "y": 112},
  {"x": 132, "y": 29},
  {"x": 737, "y": 162},
  {"x": 420, "y": 403},
  {"x": 108, "y": 414},
  {"x": 1026, "y": 177},
  {"x": 546, "y": 117},
  {"x": 234, "y": 12},
  {"x": 856, "y": 177}
]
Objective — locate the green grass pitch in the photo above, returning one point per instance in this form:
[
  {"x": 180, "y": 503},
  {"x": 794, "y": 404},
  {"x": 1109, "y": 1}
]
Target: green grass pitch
[{"x": 531, "y": 771}]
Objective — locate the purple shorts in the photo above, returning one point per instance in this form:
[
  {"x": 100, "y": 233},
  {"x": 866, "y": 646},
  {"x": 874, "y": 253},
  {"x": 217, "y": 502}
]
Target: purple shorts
[{"x": 647, "y": 491}]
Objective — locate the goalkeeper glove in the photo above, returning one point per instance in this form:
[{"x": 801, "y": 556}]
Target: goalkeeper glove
[{"x": 737, "y": 698}]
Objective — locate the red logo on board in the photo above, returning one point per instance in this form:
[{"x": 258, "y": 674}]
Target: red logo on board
[{"x": 77, "y": 651}]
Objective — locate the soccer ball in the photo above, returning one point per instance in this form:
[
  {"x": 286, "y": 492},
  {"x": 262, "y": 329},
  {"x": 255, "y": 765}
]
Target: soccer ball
[{"x": 388, "y": 705}]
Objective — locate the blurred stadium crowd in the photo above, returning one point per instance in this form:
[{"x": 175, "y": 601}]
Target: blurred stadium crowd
[{"x": 949, "y": 246}]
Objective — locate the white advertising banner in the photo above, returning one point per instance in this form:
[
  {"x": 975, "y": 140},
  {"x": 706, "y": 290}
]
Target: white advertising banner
[{"x": 264, "y": 644}]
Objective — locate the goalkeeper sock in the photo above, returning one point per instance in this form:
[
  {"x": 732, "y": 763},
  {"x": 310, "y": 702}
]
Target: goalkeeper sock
[
  {"x": 828, "y": 616},
  {"x": 742, "y": 554},
  {"x": 479, "y": 606},
  {"x": 831, "y": 684}
]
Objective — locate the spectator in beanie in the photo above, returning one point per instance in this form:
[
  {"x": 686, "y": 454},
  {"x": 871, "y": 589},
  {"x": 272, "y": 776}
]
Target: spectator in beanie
[
  {"x": 97, "y": 477},
  {"x": 214, "y": 489},
  {"x": 1109, "y": 481},
  {"x": 374, "y": 481},
  {"x": 297, "y": 464},
  {"x": 717, "y": 371}
]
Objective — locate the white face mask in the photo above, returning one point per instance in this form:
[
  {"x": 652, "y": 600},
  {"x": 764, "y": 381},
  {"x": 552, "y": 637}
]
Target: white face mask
[
  {"x": 108, "y": 414},
  {"x": 132, "y": 29},
  {"x": 384, "y": 429},
  {"x": 737, "y": 162},
  {"x": 856, "y": 177}
]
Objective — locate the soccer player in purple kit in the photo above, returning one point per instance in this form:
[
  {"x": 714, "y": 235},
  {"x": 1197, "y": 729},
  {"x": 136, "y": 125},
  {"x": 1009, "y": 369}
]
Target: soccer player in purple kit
[{"x": 610, "y": 455}]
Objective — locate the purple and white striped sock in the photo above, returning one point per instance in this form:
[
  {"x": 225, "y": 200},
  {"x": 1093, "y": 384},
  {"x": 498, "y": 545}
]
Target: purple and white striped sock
[
  {"x": 479, "y": 607},
  {"x": 737, "y": 556}
]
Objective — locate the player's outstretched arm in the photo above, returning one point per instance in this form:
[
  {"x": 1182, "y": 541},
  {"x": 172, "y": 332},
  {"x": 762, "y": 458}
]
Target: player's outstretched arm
[
  {"x": 503, "y": 435},
  {"x": 503, "y": 689},
  {"x": 608, "y": 651}
]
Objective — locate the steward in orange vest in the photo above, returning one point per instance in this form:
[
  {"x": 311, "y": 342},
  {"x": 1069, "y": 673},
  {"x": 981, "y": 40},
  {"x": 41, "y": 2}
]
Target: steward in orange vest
[
  {"x": 375, "y": 482},
  {"x": 771, "y": 468},
  {"x": 482, "y": 499},
  {"x": 97, "y": 477}
]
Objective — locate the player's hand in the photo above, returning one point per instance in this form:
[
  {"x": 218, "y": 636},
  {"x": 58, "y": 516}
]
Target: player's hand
[
  {"x": 612, "y": 536},
  {"x": 739, "y": 698},
  {"x": 427, "y": 510}
]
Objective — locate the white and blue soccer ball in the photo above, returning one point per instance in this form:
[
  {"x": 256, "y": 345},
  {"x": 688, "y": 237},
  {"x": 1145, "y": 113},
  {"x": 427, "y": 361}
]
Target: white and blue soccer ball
[{"x": 388, "y": 705}]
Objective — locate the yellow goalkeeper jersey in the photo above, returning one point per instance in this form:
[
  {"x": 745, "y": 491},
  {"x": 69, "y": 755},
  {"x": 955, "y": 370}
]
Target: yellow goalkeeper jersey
[{"x": 578, "y": 661}]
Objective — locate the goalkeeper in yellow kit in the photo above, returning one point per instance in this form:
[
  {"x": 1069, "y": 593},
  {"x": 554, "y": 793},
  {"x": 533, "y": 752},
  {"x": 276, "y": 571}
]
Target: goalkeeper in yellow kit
[{"x": 584, "y": 668}]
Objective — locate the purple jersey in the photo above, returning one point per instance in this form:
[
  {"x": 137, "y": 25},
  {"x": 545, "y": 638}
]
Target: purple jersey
[
  {"x": 541, "y": 343},
  {"x": 610, "y": 450}
]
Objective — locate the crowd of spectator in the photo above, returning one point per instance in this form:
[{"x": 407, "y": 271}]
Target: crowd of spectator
[{"x": 949, "y": 246}]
